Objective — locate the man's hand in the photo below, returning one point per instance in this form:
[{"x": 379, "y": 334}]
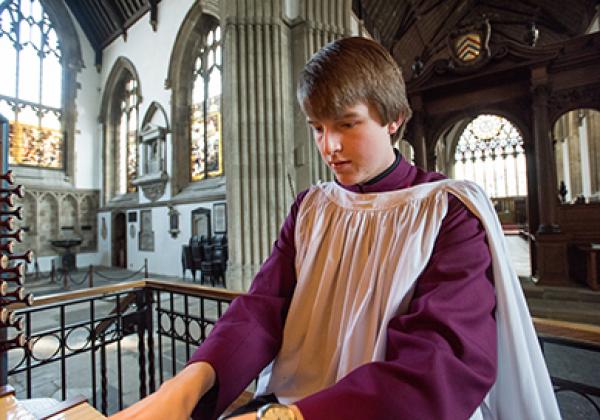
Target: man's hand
[{"x": 176, "y": 398}]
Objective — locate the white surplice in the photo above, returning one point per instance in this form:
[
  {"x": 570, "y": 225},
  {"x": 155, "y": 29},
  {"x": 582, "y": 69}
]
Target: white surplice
[{"x": 358, "y": 257}]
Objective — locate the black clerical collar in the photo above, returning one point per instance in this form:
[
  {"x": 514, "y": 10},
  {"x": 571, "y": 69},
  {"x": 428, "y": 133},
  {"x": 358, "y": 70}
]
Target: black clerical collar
[{"x": 386, "y": 172}]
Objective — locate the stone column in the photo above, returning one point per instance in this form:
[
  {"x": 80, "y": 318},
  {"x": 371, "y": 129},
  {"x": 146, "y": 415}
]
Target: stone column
[
  {"x": 551, "y": 245},
  {"x": 418, "y": 140},
  {"x": 544, "y": 158},
  {"x": 258, "y": 139},
  {"x": 318, "y": 22},
  {"x": 268, "y": 154}
]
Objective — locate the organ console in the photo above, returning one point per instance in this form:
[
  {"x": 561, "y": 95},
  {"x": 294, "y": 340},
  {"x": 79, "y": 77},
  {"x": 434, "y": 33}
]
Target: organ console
[
  {"x": 17, "y": 234},
  {"x": 8, "y": 223},
  {"x": 27, "y": 256},
  {"x": 8, "y": 177},
  {"x": 7, "y": 247},
  {"x": 12, "y": 273},
  {"x": 75, "y": 408},
  {"x": 17, "y": 296},
  {"x": 18, "y": 191},
  {"x": 12, "y": 266},
  {"x": 17, "y": 212}
]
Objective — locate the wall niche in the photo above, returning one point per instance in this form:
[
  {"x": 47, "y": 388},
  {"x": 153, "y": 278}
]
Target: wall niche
[
  {"x": 50, "y": 214},
  {"x": 153, "y": 142}
]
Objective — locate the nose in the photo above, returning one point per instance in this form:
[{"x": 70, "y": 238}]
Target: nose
[{"x": 332, "y": 142}]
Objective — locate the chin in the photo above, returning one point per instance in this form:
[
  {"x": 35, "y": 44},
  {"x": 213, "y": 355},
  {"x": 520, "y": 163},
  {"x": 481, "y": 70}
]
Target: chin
[{"x": 347, "y": 180}]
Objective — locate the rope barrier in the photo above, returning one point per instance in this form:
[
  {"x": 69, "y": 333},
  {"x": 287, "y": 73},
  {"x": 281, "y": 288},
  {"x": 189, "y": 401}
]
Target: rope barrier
[
  {"x": 65, "y": 278},
  {"x": 104, "y": 276},
  {"x": 79, "y": 282},
  {"x": 33, "y": 276}
]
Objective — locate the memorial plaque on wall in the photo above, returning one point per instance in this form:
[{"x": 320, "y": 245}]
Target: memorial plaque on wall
[
  {"x": 220, "y": 218},
  {"x": 201, "y": 223},
  {"x": 132, "y": 216},
  {"x": 146, "y": 235}
]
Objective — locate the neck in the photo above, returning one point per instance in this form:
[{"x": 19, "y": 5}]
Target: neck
[{"x": 393, "y": 161}]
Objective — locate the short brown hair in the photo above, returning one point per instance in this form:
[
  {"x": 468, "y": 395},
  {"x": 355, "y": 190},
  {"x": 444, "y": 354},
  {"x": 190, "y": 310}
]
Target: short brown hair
[{"x": 348, "y": 71}]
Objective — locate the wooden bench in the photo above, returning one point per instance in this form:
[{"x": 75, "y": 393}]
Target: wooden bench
[{"x": 591, "y": 255}]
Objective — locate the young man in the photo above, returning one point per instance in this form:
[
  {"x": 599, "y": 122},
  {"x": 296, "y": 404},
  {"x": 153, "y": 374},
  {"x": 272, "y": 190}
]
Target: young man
[{"x": 378, "y": 300}]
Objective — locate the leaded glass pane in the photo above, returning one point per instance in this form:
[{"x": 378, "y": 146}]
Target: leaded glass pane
[
  {"x": 214, "y": 86},
  {"x": 8, "y": 69},
  {"x": 198, "y": 91},
  {"x": 28, "y": 115},
  {"x": 213, "y": 131},
  {"x": 51, "y": 120},
  {"x": 36, "y": 11},
  {"x": 132, "y": 150},
  {"x": 490, "y": 152},
  {"x": 122, "y": 155},
  {"x": 206, "y": 158},
  {"x": 31, "y": 97},
  {"x": 29, "y": 76},
  {"x": 197, "y": 146},
  {"x": 6, "y": 110},
  {"x": 33, "y": 145},
  {"x": 51, "y": 92},
  {"x": 127, "y": 153}
]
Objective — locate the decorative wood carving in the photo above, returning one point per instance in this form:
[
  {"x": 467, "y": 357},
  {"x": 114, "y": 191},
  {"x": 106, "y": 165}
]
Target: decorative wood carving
[{"x": 562, "y": 101}]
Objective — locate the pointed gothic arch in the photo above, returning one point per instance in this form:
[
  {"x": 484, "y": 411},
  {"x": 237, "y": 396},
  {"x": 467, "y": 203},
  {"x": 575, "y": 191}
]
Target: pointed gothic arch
[
  {"x": 72, "y": 63},
  {"x": 122, "y": 72},
  {"x": 201, "y": 17}
]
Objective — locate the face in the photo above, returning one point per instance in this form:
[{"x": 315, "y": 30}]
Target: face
[{"x": 355, "y": 145}]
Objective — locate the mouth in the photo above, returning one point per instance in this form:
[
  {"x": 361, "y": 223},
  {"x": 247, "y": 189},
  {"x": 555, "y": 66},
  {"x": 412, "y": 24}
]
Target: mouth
[{"x": 338, "y": 163}]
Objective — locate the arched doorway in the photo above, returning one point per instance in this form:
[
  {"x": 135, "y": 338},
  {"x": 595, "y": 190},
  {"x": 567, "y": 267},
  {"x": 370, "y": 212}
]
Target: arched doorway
[
  {"x": 119, "y": 240},
  {"x": 576, "y": 139},
  {"x": 489, "y": 150},
  {"x": 577, "y": 152}
]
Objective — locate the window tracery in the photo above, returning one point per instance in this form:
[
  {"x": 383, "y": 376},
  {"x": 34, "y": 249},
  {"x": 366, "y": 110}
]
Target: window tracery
[
  {"x": 490, "y": 152},
  {"x": 205, "y": 124},
  {"x": 31, "y": 91},
  {"x": 128, "y": 135}
]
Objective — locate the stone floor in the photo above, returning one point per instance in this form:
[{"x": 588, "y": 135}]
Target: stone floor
[{"x": 573, "y": 364}]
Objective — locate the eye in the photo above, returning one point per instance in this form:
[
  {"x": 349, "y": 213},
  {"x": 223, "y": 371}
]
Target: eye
[
  {"x": 317, "y": 129},
  {"x": 348, "y": 124}
]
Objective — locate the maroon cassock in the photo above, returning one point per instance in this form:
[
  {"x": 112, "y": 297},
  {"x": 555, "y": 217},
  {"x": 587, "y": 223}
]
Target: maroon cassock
[{"x": 440, "y": 356}]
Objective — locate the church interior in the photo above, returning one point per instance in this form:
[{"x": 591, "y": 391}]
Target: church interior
[{"x": 165, "y": 134}]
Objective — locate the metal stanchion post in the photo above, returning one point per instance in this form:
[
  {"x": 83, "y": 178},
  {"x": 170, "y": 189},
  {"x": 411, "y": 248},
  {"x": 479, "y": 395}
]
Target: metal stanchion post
[
  {"x": 146, "y": 268},
  {"x": 52, "y": 272},
  {"x": 91, "y": 276},
  {"x": 65, "y": 279}
]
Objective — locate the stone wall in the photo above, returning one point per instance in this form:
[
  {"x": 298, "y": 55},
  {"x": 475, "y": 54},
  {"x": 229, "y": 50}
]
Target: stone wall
[{"x": 50, "y": 214}]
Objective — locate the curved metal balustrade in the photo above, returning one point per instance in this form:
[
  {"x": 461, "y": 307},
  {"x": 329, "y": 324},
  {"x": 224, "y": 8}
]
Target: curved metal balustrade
[{"x": 116, "y": 343}]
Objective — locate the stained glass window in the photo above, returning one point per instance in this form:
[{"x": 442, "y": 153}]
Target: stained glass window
[
  {"x": 31, "y": 84},
  {"x": 490, "y": 152},
  {"x": 206, "y": 142},
  {"x": 128, "y": 137}
]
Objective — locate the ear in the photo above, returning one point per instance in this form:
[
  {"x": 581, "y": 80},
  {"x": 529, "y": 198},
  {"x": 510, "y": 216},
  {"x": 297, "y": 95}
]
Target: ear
[{"x": 395, "y": 125}]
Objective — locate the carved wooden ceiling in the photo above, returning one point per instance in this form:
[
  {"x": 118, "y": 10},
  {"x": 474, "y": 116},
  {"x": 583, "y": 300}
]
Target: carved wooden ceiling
[
  {"x": 104, "y": 20},
  {"x": 420, "y": 28},
  {"x": 408, "y": 28}
]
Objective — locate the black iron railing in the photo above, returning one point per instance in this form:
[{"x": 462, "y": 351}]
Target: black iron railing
[
  {"x": 103, "y": 342},
  {"x": 562, "y": 385},
  {"x": 115, "y": 344}
]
